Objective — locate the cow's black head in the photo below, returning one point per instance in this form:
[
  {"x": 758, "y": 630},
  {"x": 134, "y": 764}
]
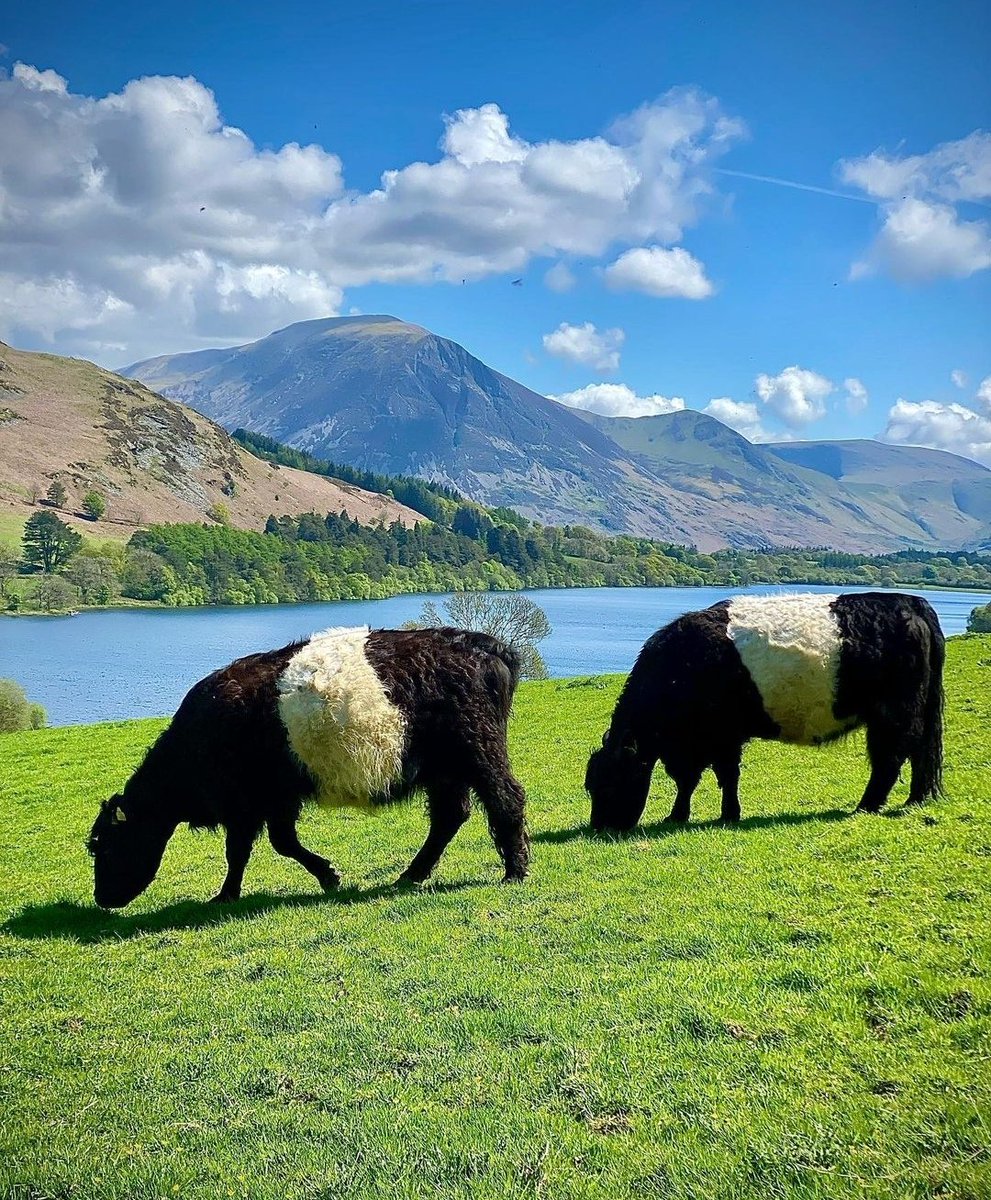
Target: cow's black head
[{"x": 127, "y": 849}]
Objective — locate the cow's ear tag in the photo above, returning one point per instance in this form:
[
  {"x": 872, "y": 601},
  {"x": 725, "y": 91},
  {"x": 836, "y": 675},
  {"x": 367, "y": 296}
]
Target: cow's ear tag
[{"x": 119, "y": 814}]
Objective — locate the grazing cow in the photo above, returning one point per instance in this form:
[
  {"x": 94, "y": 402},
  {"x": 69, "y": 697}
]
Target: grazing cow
[
  {"x": 803, "y": 668},
  {"x": 348, "y": 718}
]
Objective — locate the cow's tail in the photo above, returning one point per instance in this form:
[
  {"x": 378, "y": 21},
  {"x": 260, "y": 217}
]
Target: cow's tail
[
  {"x": 927, "y": 767},
  {"x": 511, "y": 664}
]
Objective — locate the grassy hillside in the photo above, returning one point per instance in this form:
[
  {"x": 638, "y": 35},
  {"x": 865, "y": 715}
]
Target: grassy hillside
[
  {"x": 152, "y": 460},
  {"x": 798, "y": 1007}
]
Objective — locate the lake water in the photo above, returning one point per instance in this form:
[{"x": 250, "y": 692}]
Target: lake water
[{"x": 103, "y": 666}]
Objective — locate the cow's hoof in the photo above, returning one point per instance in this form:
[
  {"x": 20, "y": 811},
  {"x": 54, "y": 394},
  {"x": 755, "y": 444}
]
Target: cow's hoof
[
  {"x": 514, "y": 876},
  {"x": 331, "y": 882},
  {"x": 675, "y": 818},
  {"x": 220, "y": 898},
  {"x": 409, "y": 881},
  {"x": 872, "y": 809}
]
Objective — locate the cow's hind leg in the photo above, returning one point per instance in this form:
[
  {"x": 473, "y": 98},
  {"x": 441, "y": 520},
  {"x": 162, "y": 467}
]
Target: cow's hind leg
[
  {"x": 504, "y": 801},
  {"x": 686, "y": 780},
  {"x": 886, "y": 752},
  {"x": 449, "y": 806},
  {"x": 727, "y": 769},
  {"x": 285, "y": 841},
  {"x": 240, "y": 839}
]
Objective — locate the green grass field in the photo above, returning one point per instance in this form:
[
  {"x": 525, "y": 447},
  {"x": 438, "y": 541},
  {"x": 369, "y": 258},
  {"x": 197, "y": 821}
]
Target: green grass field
[{"x": 796, "y": 1007}]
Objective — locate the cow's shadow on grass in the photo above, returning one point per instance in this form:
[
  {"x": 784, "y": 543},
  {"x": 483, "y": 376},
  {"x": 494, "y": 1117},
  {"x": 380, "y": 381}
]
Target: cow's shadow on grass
[
  {"x": 661, "y": 829},
  {"x": 85, "y": 923}
]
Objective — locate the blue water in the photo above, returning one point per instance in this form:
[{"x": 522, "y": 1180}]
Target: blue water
[{"x": 103, "y": 666}]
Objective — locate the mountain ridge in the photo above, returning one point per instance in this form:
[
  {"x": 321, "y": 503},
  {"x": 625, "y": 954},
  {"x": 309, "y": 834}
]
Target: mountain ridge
[{"x": 393, "y": 397}]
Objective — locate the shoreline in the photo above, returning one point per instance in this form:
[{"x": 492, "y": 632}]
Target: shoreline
[{"x": 797, "y": 584}]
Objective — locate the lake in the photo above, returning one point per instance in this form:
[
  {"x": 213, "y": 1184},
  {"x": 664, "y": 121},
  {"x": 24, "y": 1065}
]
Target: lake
[{"x": 120, "y": 663}]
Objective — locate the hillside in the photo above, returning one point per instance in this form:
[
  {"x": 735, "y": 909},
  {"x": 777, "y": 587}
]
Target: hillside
[
  {"x": 949, "y": 497},
  {"x": 392, "y": 397},
  {"x": 913, "y": 495},
  {"x": 153, "y": 459}
]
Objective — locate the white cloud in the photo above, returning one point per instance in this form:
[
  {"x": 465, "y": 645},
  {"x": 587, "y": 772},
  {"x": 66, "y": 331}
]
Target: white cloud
[
  {"x": 617, "y": 400},
  {"x": 983, "y": 396},
  {"x": 923, "y": 235},
  {"x": 583, "y": 344},
  {"x": 659, "y": 272},
  {"x": 958, "y": 379},
  {"x": 856, "y": 395},
  {"x": 560, "y": 278},
  {"x": 952, "y": 427},
  {"x": 176, "y": 230},
  {"x": 743, "y": 417},
  {"x": 796, "y": 396}
]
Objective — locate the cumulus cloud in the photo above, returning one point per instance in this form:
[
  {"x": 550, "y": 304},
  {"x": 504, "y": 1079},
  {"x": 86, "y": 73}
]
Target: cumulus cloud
[
  {"x": 585, "y": 345},
  {"x": 659, "y": 272},
  {"x": 923, "y": 235},
  {"x": 140, "y": 219},
  {"x": 983, "y": 396},
  {"x": 796, "y": 396},
  {"x": 560, "y": 278},
  {"x": 743, "y": 417},
  {"x": 856, "y": 395},
  {"x": 618, "y": 400},
  {"x": 953, "y": 427}
]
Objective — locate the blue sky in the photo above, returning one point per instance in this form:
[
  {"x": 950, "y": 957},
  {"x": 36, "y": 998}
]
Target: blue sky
[{"x": 133, "y": 225}]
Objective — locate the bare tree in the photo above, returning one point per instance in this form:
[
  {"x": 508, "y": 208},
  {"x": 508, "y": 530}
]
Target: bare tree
[
  {"x": 10, "y": 566},
  {"x": 512, "y": 617}
]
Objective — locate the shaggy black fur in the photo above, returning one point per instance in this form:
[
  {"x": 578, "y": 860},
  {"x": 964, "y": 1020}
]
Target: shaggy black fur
[
  {"x": 690, "y": 704},
  {"x": 225, "y": 761}
]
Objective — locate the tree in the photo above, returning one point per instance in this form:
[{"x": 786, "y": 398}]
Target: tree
[
  {"x": 94, "y": 505},
  {"x": 146, "y": 575},
  {"x": 980, "y": 620},
  {"x": 16, "y": 711},
  {"x": 48, "y": 542},
  {"x": 95, "y": 577},
  {"x": 53, "y": 594},
  {"x": 57, "y": 495},
  {"x": 514, "y": 618}
]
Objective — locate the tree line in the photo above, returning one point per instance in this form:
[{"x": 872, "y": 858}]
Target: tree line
[{"x": 333, "y": 557}]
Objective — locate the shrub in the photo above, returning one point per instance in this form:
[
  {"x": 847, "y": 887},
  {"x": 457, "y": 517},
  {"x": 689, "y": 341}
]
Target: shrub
[
  {"x": 980, "y": 620},
  {"x": 219, "y": 512},
  {"x": 16, "y": 711}
]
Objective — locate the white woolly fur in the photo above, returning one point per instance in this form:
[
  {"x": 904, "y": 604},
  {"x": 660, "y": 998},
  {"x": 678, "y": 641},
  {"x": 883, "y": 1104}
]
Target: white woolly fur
[
  {"x": 791, "y": 646},
  {"x": 339, "y": 719}
]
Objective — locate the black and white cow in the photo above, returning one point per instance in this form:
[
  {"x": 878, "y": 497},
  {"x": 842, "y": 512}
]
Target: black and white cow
[
  {"x": 800, "y": 668},
  {"x": 347, "y": 718}
]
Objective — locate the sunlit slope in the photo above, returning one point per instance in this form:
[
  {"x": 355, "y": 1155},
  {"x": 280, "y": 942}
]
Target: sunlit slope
[{"x": 799, "y": 1007}]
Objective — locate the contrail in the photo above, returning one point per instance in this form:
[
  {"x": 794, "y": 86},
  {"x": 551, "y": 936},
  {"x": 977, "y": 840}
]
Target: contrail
[{"x": 790, "y": 183}]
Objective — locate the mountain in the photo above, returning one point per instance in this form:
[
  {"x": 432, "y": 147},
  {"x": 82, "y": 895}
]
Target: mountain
[
  {"x": 153, "y": 459},
  {"x": 392, "y": 397},
  {"x": 907, "y": 495},
  {"x": 948, "y": 497}
]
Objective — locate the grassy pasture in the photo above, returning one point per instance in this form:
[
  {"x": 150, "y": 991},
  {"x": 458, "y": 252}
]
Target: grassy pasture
[{"x": 798, "y": 1007}]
